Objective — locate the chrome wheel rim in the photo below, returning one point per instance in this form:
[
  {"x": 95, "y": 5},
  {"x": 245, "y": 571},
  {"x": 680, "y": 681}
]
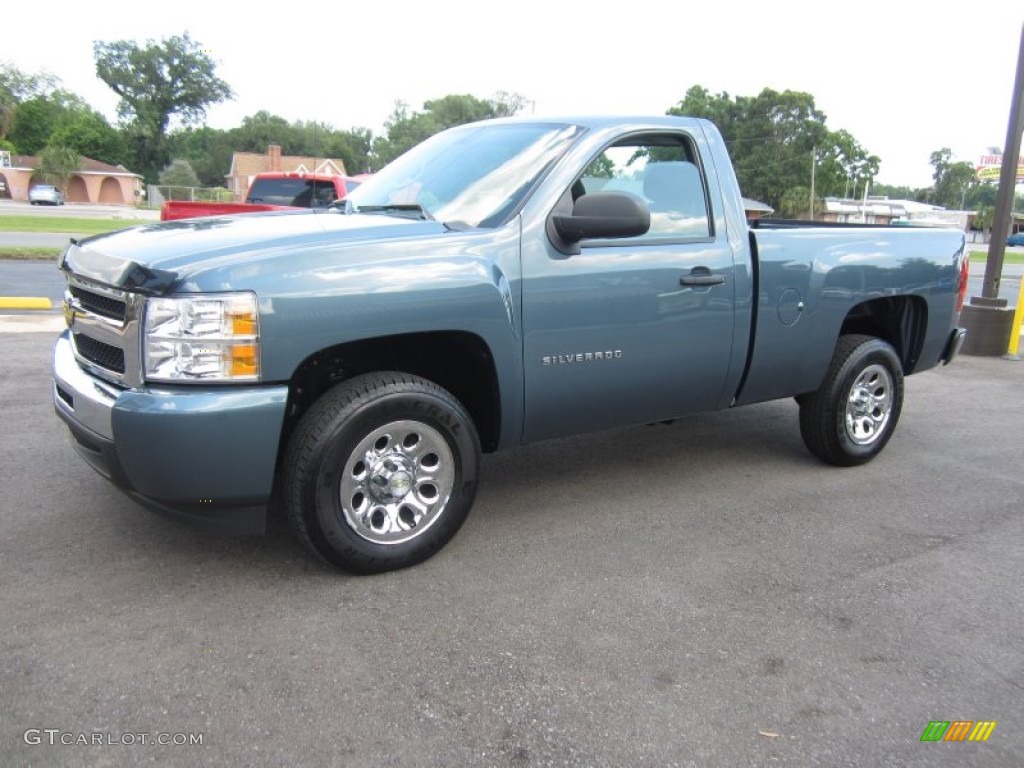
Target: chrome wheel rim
[
  {"x": 397, "y": 482},
  {"x": 869, "y": 405}
]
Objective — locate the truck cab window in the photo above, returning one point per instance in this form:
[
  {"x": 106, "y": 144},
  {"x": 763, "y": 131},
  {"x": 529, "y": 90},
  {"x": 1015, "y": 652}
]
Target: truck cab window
[{"x": 661, "y": 171}]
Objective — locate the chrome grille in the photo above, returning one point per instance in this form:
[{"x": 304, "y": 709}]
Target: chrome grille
[
  {"x": 105, "y": 324},
  {"x": 104, "y": 355},
  {"x": 98, "y": 304}
]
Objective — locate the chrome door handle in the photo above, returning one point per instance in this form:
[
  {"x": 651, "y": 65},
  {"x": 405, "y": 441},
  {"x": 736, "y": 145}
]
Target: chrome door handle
[{"x": 702, "y": 278}]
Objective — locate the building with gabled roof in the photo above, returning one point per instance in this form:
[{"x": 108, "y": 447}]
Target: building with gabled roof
[
  {"x": 245, "y": 166},
  {"x": 882, "y": 210},
  {"x": 93, "y": 182}
]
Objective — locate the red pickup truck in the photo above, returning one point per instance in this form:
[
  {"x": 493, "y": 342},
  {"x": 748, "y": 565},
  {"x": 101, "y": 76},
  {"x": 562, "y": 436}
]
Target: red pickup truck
[{"x": 272, "y": 191}]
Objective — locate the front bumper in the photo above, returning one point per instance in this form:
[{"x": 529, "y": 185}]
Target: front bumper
[{"x": 202, "y": 454}]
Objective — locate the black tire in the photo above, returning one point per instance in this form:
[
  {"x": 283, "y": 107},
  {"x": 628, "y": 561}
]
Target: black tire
[
  {"x": 381, "y": 472},
  {"x": 849, "y": 420}
]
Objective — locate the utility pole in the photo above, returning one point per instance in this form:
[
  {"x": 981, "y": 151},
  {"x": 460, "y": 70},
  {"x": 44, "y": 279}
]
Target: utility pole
[
  {"x": 814, "y": 151},
  {"x": 988, "y": 322},
  {"x": 1004, "y": 200}
]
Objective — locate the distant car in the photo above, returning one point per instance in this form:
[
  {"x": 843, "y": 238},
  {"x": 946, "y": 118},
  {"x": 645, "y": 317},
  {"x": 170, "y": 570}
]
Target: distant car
[
  {"x": 1017, "y": 238},
  {"x": 45, "y": 194}
]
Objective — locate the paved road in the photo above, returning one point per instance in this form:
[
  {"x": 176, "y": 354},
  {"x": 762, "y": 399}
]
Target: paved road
[
  {"x": 35, "y": 239},
  {"x": 702, "y": 594},
  {"x": 76, "y": 210},
  {"x": 1009, "y": 283},
  {"x": 58, "y": 240},
  {"x": 32, "y": 278}
]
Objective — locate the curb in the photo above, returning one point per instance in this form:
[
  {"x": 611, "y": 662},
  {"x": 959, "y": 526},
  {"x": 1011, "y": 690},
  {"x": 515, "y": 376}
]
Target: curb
[{"x": 25, "y": 302}]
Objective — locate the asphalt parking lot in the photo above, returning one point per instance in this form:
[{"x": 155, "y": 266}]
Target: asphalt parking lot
[{"x": 699, "y": 594}]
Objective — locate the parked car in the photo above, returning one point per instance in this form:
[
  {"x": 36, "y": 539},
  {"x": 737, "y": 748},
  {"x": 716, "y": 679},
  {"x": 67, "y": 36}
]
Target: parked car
[
  {"x": 45, "y": 194},
  {"x": 1017, "y": 238}
]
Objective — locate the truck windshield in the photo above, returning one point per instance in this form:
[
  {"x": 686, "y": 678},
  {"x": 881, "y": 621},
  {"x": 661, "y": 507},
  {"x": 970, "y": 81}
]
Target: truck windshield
[{"x": 470, "y": 175}]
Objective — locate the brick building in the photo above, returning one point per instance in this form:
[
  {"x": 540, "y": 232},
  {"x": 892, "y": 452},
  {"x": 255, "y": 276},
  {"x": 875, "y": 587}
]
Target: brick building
[{"x": 245, "y": 165}]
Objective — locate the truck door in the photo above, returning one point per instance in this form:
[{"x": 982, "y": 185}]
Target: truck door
[{"x": 631, "y": 330}]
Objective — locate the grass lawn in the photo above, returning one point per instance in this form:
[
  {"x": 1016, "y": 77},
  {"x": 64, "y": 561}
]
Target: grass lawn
[
  {"x": 67, "y": 224},
  {"x": 18, "y": 253},
  {"x": 1010, "y": 257}
]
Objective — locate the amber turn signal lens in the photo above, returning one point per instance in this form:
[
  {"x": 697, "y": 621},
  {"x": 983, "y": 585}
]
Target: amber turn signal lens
[{"x": 243, "y": 360}]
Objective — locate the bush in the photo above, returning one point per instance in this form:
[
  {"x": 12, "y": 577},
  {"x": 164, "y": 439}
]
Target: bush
[
  {"x": 220, "y": 195},
  {"x": 179, "y": 174}
]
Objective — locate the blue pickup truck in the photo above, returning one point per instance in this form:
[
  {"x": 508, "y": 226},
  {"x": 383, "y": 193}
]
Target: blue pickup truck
[{"x": 504, "y": 282}]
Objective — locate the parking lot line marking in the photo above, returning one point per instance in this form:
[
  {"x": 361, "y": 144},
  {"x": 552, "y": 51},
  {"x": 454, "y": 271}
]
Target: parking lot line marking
[
  {"x": 25, "y": 302},
  {"x": 32, "y": 324}
]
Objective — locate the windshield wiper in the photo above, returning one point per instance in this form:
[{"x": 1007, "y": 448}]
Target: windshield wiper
[{"x": 402, "y": 209}]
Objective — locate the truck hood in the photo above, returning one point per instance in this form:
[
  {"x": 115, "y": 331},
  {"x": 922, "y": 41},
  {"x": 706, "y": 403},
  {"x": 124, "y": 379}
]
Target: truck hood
[{"x": 152, "y": 258}]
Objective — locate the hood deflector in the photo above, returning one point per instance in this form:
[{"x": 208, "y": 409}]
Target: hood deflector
[{"x": 116, "y": 271}]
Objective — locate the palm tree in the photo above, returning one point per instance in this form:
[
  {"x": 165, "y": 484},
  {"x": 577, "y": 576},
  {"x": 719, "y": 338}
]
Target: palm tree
[
  {"x": 7, "y": 107},
  {"x": 58, "y": 163}
]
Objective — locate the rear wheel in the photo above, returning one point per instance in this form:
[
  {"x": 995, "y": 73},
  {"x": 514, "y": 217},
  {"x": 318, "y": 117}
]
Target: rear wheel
[
  {"x": 849, "y": 420},
  {"x": 381, "y": 472}
]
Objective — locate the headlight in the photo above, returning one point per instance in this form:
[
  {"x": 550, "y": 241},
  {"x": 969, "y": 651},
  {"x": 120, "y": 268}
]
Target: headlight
[{"x": 209, "y": 337}]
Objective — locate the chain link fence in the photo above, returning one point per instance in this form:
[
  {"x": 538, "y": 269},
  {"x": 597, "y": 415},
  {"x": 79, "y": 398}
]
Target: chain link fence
[{"x": 159, "y": 193}]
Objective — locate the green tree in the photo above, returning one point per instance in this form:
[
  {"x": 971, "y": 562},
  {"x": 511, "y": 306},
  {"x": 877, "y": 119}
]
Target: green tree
[
  {"x": 210, "y": 151},
  {"x": 406, "y": 129},
  {"x": 207, "y": 149},
  {"x": 774, "y": 138},
  {"x": 982, "y": 196},
  {"x": 952, "y": 179},
  {"x": 179, "y": 176},
  {"x": 602, "y": 167},
  {"x": 312, "y": 138},
  {"x": 90, "y": 135},
  {"x": 507, "y": 104},
  {"x": 983, "y": 218},
  {"x": 795, "y": 203},
  {"x": 403, "y": 131},
  {"x": 57, "y": 164},
  {"x": 34, "y": 121},
  {"x": 17, "y": 87},
  {"x": 262, "y": 129},
  {"x": 920, "y": 195},
  {"x": 456, "y": 109},
  {"x": 843, "y": 166},
  {"x": 353, "y": 146},
  {"x": 172, "y": 79}
]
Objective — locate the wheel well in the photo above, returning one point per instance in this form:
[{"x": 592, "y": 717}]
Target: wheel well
[
  {"x": 899, "y": 320},
  {"x": 458, "y": 361}
]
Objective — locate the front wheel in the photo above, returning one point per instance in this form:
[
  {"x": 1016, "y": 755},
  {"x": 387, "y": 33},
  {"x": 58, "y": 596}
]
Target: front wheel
[
  {"x": 381, "y": 472},
  {"x": 849, "y": 420}
]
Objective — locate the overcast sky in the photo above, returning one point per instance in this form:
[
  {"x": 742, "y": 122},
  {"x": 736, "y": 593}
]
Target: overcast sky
[{"x": 904, "y": 77}]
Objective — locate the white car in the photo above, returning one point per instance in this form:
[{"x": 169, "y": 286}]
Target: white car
[{"x": 45, "y": 194}]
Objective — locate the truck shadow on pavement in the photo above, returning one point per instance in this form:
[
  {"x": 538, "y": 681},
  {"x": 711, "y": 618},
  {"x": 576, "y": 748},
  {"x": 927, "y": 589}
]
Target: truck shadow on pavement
[{"x": 600, "y": 472}]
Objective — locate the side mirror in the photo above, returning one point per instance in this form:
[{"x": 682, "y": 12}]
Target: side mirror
[{"x": 603, "y": 214}]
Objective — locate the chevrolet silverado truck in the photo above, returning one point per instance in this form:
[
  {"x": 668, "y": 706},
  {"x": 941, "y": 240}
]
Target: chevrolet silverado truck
[
  {"x": 271, "y": 191},
  {"x": 503, "y": 282}
]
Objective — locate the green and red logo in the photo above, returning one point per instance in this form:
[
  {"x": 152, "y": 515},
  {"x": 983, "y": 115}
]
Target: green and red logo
[{"x": 958, "y": 730}]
